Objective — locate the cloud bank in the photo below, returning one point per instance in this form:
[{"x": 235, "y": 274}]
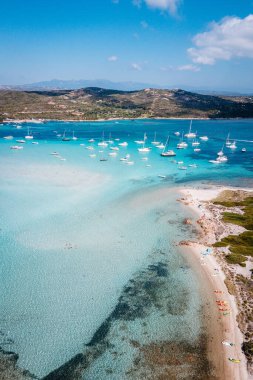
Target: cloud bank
[
  {"x": 165, "y": 5},
  {"x": 232, "y": 37}
]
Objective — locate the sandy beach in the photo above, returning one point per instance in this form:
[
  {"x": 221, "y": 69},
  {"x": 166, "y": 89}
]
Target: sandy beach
[{"x": 221, "y": 326}]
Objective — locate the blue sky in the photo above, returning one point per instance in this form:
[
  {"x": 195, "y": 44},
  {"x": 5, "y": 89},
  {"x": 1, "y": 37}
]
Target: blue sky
[{"x": 197, "y": 43}]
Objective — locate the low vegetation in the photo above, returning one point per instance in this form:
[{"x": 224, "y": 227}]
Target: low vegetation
[
  {"x": 96, "y": 103},
  {"x": 240, "y": 246}
]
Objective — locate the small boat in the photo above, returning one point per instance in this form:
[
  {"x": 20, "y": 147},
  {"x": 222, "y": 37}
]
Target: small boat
[
  {"x": 195, "y": 143},
  {"x": 74, "y": 137},
  {"x": 91, "y": 140},
  {"x": 204, "y": 138},
  {"x": 139, "y": 142},
  {"x": 54, "y": 154},
  {"x": 16, "y": 147},
  {"x": 144, "y": 158},
  {"x": 244, "y": 150},
  {"x": 19, "y": 126},
  {"x": 168, "y": 153},
  {"x": 89, "y": 147},
  {"x": 21, "y": 141},
  {"x": 162, "y": 176},
  {"x": 182, "y": 144},
  {"x": 64, "y": 138},
  {"x": 234, "y": 360},
  {"x": 123, "y": 143},
  {"x": 110, "y": 141},
  {"x": 82, "y": 144},
  {"x": 177, "y": 133},
  {"x": 228, "y": 142},
  {"x": 182, "y": 167},
  {"x": 8, "y": 137},
  {"x": 35, "y": 142},
  {"x": 144, "y": 149},
  {"x": 214, "y": 162},
  {"x": 92, "y": 155},
  {"x": 190, "y": 134},
  {"x": 222, "y": 158},
  {"x": 123, "y": 159},
  {"x": 28, "y": 136},
  {"x": 160, "y": 146},
  {"x": 197, "y": 150},
  {"x": 154, "y": 142},
  {"x": 114, "y": 148},
  {"x": 130, "y": 162},
  {"x": 102, "y": 142},
  {"x": 103, "y": 159},
  {"x": 232, "y": 146},
  {"x": 113, "y": 154},
  {"x": 193, "y": 165}
]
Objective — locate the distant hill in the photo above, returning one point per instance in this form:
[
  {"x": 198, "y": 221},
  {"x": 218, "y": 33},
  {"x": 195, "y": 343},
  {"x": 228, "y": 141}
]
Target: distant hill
[
  {"x": 58, "y": 84},
  {"x": 95, "y": 103}
]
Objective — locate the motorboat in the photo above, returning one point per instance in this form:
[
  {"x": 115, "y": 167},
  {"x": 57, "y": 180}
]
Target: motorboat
[
  {"x": 21, "y": 141},
  {"x": 123, "y": 144},
  {"x": 16, "y": 147},
  {"x": 8, "y": 137},
  {"x": 204, "y": 138}
]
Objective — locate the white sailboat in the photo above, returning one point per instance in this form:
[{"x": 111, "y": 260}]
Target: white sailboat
[
  {"x": 182, "y": 144},
  {"x": 74, "y": 137},
  {"x": 102, "y": 142},
  {"x": 144, "y": 149},
  {"x": 168, "y": 153},
  {"x": 154, "y": 142},
  {"x": 190, "y": 134},
  {"x": 28, "y": 136}
]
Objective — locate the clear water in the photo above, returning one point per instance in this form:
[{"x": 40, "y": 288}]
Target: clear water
[{"x": 75, "y": 232}]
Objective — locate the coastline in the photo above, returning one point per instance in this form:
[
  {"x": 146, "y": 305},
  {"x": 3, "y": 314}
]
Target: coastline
[
  {"x": 212, "y": 270},
  {"x": 41, "y": 121}
]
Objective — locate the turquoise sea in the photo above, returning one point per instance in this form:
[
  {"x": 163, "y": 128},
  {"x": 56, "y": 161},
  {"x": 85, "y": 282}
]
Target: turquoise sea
[{"x": 89, "y": 262}]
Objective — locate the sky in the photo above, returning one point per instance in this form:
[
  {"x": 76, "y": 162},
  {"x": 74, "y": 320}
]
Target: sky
[{"x": 204, "y": 44}]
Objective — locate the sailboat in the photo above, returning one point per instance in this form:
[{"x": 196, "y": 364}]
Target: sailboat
[
  {"x": 228, "y": 142},
  {"x": 28, "y": 136},
  {"x": 190, "y": 134},
  {"x": 103, "y": 143},
  {"x": 64, "y": 138},
  {"x": 154, "y": 142},
  {"x": 110, "y": 141},
  {"x": 74, "y": 137},
  {"x": 144, "y": 149},
  {"x": 182, "y": 144},
  {"x": 169, "y": 153}
]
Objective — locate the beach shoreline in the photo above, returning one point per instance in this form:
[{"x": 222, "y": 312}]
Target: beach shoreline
[
  {"x": 210, "y": 269},
  {"x": 41, "y": 121}
]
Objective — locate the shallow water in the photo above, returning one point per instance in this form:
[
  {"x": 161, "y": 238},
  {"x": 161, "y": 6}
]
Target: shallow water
[{"x": 76, "y": 234}]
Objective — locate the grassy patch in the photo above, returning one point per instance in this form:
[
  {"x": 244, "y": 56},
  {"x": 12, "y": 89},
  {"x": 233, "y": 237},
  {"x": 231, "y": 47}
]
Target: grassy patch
[{"x": 241, "y": 245}]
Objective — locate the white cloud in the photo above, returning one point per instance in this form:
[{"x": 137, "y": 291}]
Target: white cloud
[
  {"x": 136, "y": 66},
  {"x": 165, "y": 5},
  {"x": 230, "y": 38},
  {"x": 112, "y": 58},
  {"x": 193, "y": 68}
]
